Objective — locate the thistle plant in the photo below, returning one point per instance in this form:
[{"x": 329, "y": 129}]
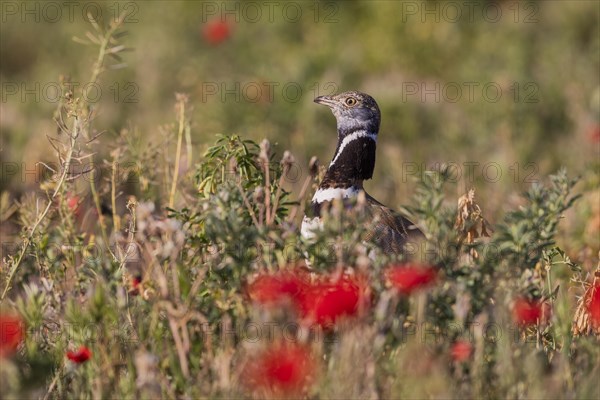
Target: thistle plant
[{"x": 73, "y": 117}]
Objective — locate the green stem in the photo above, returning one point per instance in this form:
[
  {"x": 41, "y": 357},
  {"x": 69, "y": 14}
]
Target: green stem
[
  {"x": 95, "y": 74},
  {"x": 178, "y": 155}
]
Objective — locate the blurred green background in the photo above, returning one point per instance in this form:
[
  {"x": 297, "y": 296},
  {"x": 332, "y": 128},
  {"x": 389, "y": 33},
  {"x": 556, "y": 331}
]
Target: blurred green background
[{"x": 511, "y": 86}]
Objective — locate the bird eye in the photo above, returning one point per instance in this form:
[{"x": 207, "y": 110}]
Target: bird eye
[{"x": 350, "y": 101}]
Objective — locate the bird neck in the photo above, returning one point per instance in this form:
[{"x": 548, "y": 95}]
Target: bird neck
[{"x": 353, "y": 161}]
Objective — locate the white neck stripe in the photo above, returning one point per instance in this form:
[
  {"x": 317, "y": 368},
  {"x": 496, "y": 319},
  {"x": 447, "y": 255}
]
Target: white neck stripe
[
  {"x": 329, "y": 194},
  {"x": 350, "y": 138}
]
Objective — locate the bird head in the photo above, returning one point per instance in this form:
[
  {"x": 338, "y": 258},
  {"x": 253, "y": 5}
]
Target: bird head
[{"x": 353, "y": 111}]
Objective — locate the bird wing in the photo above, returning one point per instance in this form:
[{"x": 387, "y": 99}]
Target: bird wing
[{"x": 392, "y": 231}]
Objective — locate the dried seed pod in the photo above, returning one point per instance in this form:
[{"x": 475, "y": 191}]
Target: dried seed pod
[
  {"x": 288, "y": 159},
  {"x": 470, "y": 222},
  {"x": 587, "y": 315},
  {"x": 265, "y": 151},
  {"x": 259, "y": 195},
  {"x": 313, "y": 166}
]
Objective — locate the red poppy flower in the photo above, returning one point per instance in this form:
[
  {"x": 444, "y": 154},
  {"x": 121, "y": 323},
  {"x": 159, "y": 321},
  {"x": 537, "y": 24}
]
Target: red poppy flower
[
  {"x": 136, "y": 281},
  {"x": 283, "y": 369},
  {"x": 79, "y": 356},
  {"x": 73, "y": 204},
  {"x": 274, "y": 288},
  {"x": 409, "y": 277},
  {"x": 593, "y": 307},
  {"x": 216, "y": 31},
  {"x": 530, "y": 312},
  {"x": 594, "y": 134},
  {"x": 12, "y": 332},
  {"x": 461, "y": 351},
  {"x": 327, "y": 301}
]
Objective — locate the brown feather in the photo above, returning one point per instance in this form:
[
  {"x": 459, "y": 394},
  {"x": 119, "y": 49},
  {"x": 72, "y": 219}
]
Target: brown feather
[{"x": 392, "y": 232}]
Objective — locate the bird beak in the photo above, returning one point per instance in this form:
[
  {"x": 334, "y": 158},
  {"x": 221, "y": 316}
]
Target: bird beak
[{"x": 326, "y": 100}]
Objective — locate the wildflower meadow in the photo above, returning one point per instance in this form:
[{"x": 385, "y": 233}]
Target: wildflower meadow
[{"x": 157, "y": 159}]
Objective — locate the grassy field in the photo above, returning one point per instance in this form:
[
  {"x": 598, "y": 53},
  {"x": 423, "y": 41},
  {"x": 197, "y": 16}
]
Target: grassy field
[{"x": 156, "y": 167}]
